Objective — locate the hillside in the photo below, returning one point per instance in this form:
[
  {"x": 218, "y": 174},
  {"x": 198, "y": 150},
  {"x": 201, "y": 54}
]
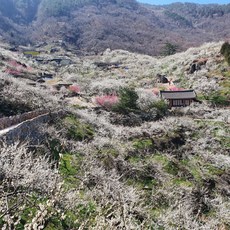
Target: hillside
[
  {"x": 115, "y": 157},
  {"x": 95, "y": 25}
]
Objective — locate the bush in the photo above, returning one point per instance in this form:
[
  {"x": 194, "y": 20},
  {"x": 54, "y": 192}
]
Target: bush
[
  {"x": 107, "y": 101},
  {"x": 225, "y": 50},
  {"x": 169, "y": 49},
  {"x": 77, "y": 130},
  {"x": 127, "y": 101},
  {"x": 217, "y": 99},
  {"x": 143, "y": 144},
  {"x": 162, "y": 108}
]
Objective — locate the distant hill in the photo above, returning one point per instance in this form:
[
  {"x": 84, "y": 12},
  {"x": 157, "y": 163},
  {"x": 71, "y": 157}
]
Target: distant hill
[{"x": 94, "y": 25}]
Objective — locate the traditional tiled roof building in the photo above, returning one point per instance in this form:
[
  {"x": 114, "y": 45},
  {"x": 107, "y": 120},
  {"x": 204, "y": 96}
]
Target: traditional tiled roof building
[{"x": 179, "y": 98}]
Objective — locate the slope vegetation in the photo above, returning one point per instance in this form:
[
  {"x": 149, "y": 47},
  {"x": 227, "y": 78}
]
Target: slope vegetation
[{"x": 137, "y": 165}]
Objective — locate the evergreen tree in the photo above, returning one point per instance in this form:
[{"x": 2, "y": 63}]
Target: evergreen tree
[
  {"x": 225, "y": 50},
  {"x": 169, "y": 49}
]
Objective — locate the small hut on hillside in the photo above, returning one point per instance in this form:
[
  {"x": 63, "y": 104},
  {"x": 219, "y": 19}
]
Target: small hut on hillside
[{"x": 179, "y": 98}]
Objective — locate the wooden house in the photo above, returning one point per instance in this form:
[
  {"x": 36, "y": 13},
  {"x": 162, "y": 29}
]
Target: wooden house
[{"x": 179, "y": 98}]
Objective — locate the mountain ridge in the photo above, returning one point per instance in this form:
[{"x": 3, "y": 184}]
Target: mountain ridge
[{"x": 94, "y": 25}]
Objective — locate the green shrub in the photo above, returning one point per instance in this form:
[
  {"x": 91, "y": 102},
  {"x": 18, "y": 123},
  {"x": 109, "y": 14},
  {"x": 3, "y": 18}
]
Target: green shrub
[
  {"x": 82, "y": 215},
  {"x": 227, "y": 58},
  {"x": 127, "y": 101},
  {"x": 66, "y": 167},
  {"x": 162, "y": 108},
  {"x": 171, "y": 168},
  {"x": 55, "y": 148},
  {"x": 225, "y": 50},
  {"x": 69, "y": 167},
  {"x": 143, "y": 144},
  {"x": 169, "y": 49},
  {"x": 217, "y": 99},
  {"x": 76, "y": 130}
]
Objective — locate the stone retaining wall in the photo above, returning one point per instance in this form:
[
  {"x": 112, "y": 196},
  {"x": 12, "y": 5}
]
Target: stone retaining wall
[
  {"x": 6, "y": 122},
  {"x": 30, "y": 130}
]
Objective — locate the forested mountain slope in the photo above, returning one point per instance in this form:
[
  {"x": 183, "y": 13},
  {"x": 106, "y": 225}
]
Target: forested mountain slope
[{"x": 94, "y": 25}]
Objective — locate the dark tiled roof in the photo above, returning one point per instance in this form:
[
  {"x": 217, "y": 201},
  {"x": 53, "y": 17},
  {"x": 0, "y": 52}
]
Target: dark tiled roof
[{"x": 185, "y": 94}]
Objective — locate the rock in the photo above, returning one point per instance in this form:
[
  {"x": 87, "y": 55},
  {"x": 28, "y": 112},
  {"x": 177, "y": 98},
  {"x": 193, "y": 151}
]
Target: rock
[{"x": 162, "y": 78}]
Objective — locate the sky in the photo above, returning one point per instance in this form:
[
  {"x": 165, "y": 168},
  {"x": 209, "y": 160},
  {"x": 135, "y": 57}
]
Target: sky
[{"x": 162, "y": 2}]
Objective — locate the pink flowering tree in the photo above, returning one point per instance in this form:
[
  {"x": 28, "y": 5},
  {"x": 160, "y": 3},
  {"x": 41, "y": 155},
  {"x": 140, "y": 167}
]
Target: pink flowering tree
[
  {"x": 75, "y": 89},
  {"x": 174, "y": 88},
  {"x": 17, "y": 68},
  {"x": 156, "y": 91},
  {"x": 107, "y": 101},
  {"x": 13, "y": 71}
]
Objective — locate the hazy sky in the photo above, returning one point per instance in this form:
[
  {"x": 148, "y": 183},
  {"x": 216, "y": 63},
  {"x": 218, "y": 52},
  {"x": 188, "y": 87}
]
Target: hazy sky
[{"x": 161, "y": 2}]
